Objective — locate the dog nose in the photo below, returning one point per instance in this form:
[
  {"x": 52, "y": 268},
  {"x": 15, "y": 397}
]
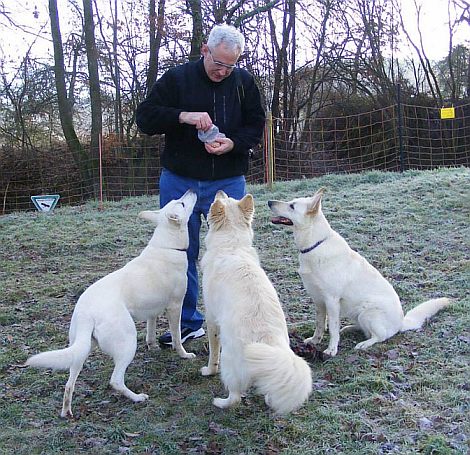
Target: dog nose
[{"x": 270, "y": 203}]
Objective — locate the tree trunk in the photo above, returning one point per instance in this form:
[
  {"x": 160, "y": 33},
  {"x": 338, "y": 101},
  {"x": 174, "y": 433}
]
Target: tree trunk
[
  {"x": 156, "y": 32},
  {"x": 65, "y": 109},
  {"x": 197, "y": 35},
  {"x": 93, "y": 77}
]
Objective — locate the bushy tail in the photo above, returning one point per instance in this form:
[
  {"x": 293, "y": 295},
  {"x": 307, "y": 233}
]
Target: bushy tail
[
  {"x": 62, "y": 359},
  {"x": 282, "y": 377},
  {"x": 416, "y": 317}
]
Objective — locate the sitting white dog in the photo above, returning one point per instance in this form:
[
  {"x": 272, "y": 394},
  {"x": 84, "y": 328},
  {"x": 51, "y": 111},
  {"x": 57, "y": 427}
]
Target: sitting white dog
[
  {"x": 244, "y": 317},
  {"x": 342, "y": 283},
  {"x": 145, "y": 287}
]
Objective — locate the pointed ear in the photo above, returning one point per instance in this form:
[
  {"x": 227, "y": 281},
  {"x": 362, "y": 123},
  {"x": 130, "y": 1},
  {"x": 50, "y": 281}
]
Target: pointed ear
[
  {"x": 315, "y": 203},
  {"x": 217, "y": 213},
  {"x": 221, "y": 195},
  {"x": 149, "y": 215},
  {"x": 174, "y": 217},
  {"x": 247, "y": 206}
]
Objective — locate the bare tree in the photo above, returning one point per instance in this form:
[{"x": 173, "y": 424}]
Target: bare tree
[
  {"x": 93, "y": 77},
  {"x": 156, "y": 20},
  {"x": 65, "y": 109}
]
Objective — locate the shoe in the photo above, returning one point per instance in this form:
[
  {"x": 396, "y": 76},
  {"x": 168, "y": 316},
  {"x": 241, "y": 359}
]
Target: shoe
[{"x": 186, "y": 334}]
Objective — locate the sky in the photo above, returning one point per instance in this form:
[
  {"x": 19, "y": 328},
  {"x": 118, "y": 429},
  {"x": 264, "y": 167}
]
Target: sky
[
  {"x": 434, "y": 20},
  {"x": 433, "y": 23}
]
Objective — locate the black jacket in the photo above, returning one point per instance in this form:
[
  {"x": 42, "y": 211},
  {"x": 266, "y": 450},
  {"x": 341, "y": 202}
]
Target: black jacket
[{"x": 234, "y": 105}]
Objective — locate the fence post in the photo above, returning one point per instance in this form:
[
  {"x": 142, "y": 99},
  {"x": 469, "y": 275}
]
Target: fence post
[
  {"x": 400, "y": 128},
  {"x": 269, "y": 150}
]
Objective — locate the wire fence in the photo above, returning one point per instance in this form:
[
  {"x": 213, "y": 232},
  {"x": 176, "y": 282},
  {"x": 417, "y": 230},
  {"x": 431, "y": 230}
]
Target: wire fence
[{"x": 394, "y": 138}]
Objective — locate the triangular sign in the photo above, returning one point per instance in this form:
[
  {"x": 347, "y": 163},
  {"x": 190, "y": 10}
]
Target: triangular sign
[{"x": 45, "y": 202}]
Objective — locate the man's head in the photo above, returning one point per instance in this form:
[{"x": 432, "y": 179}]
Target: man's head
[{"x": 224, "y": 46}]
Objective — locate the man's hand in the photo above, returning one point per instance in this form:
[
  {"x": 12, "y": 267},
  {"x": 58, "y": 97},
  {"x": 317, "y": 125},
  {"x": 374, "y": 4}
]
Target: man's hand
[
  {"x": 201, "y": 120},
  {"x": 220, "y": 146}
]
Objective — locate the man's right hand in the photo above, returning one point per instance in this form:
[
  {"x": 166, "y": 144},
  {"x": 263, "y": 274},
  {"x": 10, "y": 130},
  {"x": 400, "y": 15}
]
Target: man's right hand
[{"x": 201, "y": 120}]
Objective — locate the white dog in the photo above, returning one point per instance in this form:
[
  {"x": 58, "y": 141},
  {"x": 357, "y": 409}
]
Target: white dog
[
  {"x": 148, "y": 285},
  {"x": 244, "y": 316},
  {"x": 342, "y": 283}
]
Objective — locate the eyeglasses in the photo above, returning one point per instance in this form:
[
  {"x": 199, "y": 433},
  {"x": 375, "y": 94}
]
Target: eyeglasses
[{"x": 220, "y": 64}]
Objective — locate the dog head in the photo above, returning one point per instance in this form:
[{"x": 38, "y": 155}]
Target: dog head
[
  {"x": 230, "y": 220},
  {"x": 297, "y": 212},
  {"x": 226, "y": 211},
  {"x": 176, "y": 212}
]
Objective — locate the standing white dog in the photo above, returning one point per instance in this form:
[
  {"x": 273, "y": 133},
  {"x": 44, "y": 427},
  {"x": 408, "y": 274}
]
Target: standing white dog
[
  {"x": 244, "y": 316},
  {"x": 342, "y": 283},
  {"x": 145, "y": 287}
]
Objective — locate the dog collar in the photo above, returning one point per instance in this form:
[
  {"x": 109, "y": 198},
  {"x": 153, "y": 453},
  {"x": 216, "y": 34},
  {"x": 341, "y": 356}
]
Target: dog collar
[{"x": 307, "y": 250}]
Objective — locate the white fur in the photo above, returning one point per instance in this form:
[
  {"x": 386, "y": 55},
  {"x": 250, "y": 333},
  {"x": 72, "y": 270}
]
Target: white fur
[
  {"x": 244, "y": 317},
  {"x": 145, "y": 287},
  {"x": 343, "y": 284}
]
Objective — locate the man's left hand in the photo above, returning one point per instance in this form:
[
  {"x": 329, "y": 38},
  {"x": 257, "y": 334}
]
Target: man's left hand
[{"x": 220, "y": 146}]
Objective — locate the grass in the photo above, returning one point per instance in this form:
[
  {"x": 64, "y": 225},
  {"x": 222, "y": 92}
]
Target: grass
[{"x": 407, "y": 395}]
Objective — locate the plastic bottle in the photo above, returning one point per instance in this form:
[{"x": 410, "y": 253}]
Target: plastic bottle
[{"x": 210, "y": 135}]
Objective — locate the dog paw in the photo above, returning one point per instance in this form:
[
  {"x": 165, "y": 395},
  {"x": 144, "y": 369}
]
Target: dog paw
[
  {"x": 330, "y": 352},
  {"x": 208, "y": 371},
  {"x": 364, "y": 344},
  {"x": 312, "y": 340},
  {"x": 188, "y": 355},
  {"x": 140, "y": 397},
  {"x": 222, "y": 403}
]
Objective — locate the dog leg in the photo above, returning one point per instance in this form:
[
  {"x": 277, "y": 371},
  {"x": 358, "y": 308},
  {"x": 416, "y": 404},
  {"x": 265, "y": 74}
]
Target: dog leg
[
  {"x": 214, "y": 350},
  {"x": 70, "y": 387},
  {"x": 174, "y": 319},
  {"x": 232, "y": 399},
  {"x": 333, "y": 327},
  {"x": 320, "y": 323},
  {"x": 120, "y": 342},
  {"x": 372, "y": 324},
  {"x": 122, "y": 358},
  {"x": 151, "y": 338}
]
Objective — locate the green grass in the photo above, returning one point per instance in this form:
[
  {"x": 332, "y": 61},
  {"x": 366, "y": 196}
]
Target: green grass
[{"x": 407, "y": 395}]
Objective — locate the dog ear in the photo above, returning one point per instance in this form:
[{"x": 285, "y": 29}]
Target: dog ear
[
  {"x": 221, "y": 195},
  {"x": 315, "y": 203},
  {"x": 174, "y": 217},
  {"x": 149, "y": 215},
  {"x": 247, "y": 206},
  {"x": 217, "y": 213}
]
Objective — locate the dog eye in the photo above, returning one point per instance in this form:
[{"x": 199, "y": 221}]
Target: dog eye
[
  {"x": 182, "y": 204},
  {"x": 291, "y": 206}
]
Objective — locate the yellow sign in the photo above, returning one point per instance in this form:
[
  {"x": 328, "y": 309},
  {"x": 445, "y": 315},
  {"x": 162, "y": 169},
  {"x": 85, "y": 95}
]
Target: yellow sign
[{"x": 447, "y": 112}]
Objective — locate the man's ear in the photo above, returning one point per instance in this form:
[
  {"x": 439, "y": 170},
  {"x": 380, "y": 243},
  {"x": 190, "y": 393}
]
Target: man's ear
[{"x": 149, "y": 215}]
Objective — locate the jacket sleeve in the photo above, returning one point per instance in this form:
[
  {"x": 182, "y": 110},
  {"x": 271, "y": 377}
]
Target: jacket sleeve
[
  {"x": 253, "y": 117},
  {"x": 158, "y": 113}
]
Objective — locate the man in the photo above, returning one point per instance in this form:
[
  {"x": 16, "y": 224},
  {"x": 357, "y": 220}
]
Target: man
[{"x": 193, "y": 98}]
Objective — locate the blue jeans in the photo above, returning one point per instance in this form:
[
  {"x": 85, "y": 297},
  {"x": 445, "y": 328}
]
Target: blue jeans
[{"x": 173, "y": 186}]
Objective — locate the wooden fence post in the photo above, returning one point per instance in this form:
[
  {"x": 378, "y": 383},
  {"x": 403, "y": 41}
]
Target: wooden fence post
[{"x": 269, "y": 150}]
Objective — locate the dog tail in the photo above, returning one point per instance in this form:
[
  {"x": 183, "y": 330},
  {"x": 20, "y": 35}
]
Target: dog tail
[
  {"x": 63, "y": 359},
  {"x": 282, "y": 377},
  {"x": 416, "y": 317}
]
